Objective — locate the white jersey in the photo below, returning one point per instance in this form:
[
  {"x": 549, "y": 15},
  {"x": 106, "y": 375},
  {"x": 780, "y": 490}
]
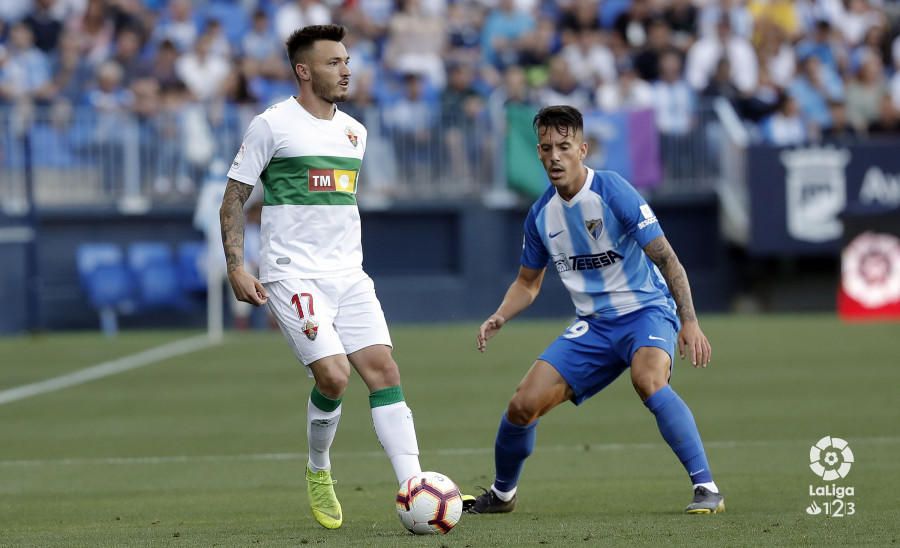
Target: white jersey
[{"x": 309, "y": 168}]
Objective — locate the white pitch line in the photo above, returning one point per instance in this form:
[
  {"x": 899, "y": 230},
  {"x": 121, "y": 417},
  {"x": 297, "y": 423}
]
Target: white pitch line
[
  {"x": 105, "y": 369},
  {"x": 177, "y": 459}
]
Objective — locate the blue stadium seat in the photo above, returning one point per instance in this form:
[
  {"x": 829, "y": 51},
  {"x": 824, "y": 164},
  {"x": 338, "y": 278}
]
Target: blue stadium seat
[
  {"x": 192, "y": 266},
  {"x": 154, "y": 271},
  {"x": 232, "y": 17},
  {"x": 106, "y": 280},
  {"x": 611, "y": 9}
]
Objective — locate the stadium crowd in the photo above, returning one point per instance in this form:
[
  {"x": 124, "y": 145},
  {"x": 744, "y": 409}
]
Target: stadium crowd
[{"x": 795, "y": 71}]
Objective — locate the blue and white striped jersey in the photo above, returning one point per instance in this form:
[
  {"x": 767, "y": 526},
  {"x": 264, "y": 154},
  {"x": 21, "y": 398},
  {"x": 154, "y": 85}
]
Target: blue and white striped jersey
[{"x": 595, "y": 241}]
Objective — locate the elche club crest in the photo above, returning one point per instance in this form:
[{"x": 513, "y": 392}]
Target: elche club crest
[
  {"x": 354, "y": 140},
  {"x": 310, "y": 326}
]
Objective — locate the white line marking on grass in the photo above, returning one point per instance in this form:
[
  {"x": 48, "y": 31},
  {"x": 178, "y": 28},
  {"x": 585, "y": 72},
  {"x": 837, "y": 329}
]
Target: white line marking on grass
[
  {"x": 105, "y": 369},
  {"x": 176, "y": 459}
]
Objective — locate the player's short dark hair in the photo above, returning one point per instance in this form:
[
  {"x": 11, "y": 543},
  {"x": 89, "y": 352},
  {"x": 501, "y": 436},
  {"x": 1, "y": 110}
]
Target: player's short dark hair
[
  {"x": 303, "y": 39},
  {"x": 562, "y": 117}
]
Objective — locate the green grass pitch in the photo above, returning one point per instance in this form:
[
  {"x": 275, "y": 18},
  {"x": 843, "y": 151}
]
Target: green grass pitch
[{"x": 207, "y": 449}]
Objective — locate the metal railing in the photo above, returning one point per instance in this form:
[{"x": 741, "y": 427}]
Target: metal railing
[{"x": 83, "y": 157}]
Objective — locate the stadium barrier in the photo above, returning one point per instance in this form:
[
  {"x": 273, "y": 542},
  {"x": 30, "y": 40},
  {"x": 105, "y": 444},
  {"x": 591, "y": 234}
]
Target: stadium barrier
[{"x": 83, "y": 157}]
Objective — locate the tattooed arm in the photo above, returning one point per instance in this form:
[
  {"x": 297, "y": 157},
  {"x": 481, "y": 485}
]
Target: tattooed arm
[
  {"x": 661, "y": 253},
  {"x": 231, "y": 216}
]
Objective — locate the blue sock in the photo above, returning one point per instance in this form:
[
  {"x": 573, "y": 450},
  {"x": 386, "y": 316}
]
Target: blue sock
[
  {"x": 513, "y": 445},
  {"x": 677, "y": 426}
]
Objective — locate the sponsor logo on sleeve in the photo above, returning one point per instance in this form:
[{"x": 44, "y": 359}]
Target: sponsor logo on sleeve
[
  {"x": 649, "y": 217},
  {"x": 239, "y": 157}
]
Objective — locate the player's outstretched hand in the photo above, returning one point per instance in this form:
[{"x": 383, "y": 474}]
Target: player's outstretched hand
[
  {"x": 247, "y": 288},
  {"x": 692, "y": 340},
  {"x": 488, "y": 329}
]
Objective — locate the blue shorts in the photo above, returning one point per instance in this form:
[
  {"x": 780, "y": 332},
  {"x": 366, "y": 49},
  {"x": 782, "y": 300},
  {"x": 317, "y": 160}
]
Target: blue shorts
[{"x": 592, "y": 352}]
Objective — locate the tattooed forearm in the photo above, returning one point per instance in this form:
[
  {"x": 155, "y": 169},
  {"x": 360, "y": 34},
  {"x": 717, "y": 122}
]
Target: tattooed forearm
[
  {"x": 231, "y": 217},
  {"x": 662, "y": 254}
]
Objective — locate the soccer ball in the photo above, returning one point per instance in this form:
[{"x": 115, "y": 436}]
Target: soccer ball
[{"x": 429, "y": 504}]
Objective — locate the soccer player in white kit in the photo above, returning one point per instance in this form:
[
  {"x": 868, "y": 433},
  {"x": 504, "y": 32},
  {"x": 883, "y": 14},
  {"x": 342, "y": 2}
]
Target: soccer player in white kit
[{"x": 307, "y": 154}]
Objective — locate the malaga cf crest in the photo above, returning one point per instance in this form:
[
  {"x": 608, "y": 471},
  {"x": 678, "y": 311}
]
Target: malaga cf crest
[
  {"x": 354, "y": 140},
  {"x": 594, "y": 227}
]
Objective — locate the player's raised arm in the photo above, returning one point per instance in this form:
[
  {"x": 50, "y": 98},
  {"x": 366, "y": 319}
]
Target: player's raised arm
[
  {"x": 661, "y": 253},
  {"x": 521, "y": 293},
  {"x": 231, "y": 216}
]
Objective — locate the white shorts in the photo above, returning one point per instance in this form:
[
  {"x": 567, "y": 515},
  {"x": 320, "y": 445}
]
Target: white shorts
[{"x": 328, "y": 316}]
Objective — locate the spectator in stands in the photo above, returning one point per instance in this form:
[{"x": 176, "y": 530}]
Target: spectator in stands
[
  {"x": 57, "y": 139},
  {"x": 706, "y": 52},
  {"x": 775, "y": 53},
  {"x": 70, "y": 71},
  {"x": 781, "y": 14},
  {"x": 95, "y": 30},
  {"x": 676, "y": 105},
  {"x": 24, "y": 69},
  {"x": 502, "y": 32},
  {"x": 824, "y": 44},
  {"x": 739, "y": 19},
  {"x": 410, "y": 122},
  {"x": 864, "y": 93},
  {"x": 539, "y": 45},
  {"x": 515, "y": 87},
  {"x": 463, "y": 36},
  {"x": 682, "y": 16},
  {"x": 415, "y": 43},
  {"x": 720, "y": 84},
  {"x": 295, "y": 14},
  {"x": 113, "y": 130},
  {"x": 162, "y": 66},
  {"x": 888, "y": 121},
  {"x": 812, "y": 88},
  {"x": 876, "y": 42},
  {"x": 562, "y": 88},
  {"x": 45, "y": 25},
  {"x": 589, "y": 59},
  {"x": 659, "y": 40},
  {"x": 127, "y": 53},
  {"x": 628, "y": 92},
  {"x": 841, "y": 131},
  {"x": 218, "y": 42},
  {"x": 201, "y": 70},
  {"x": 854, "y": 20},
  {"x": 110, "y": 95},
  {"x": 895, "y": 79},
  {"x": 14, "y": 10},
  {"x": 579, "y": 17},
  {"x": 462, "y": 115},
  {"x": 259, "y": 43},
  {"x": 177, "y": 26},
  {"x": 785, "y": 127},
  {"x": 632, "y": 23}
]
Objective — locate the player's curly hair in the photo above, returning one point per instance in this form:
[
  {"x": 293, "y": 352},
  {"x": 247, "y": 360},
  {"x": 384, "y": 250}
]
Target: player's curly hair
[
  {"x": 302, "y": 40},
  {"x": 562, "y": 117}
]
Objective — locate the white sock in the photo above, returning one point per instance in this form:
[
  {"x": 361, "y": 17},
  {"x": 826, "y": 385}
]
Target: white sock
[
  {"x": 505, "y": 496},
  {"x": 397, "y": 434},
  {"x": 711, "y": 485},
  {"x": 321, "y": 427}
]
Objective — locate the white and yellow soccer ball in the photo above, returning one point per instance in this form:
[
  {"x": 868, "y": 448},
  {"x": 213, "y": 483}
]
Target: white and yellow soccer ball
[{"x": 429, "y": 503}]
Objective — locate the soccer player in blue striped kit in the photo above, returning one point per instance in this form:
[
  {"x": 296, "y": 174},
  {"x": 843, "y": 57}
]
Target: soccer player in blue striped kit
[{"x": 633, "y": 303}]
